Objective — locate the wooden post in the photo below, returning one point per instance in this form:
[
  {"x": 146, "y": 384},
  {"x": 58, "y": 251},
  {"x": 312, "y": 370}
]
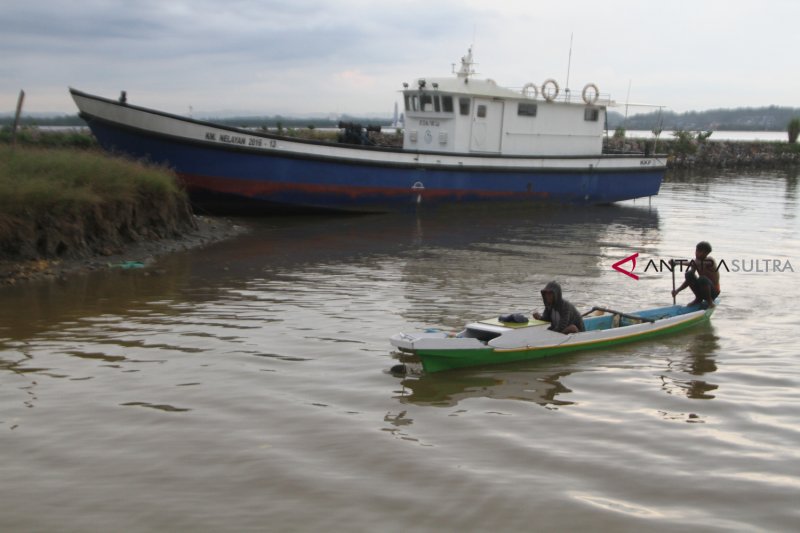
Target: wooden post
[{"x": 16, "y": 119}]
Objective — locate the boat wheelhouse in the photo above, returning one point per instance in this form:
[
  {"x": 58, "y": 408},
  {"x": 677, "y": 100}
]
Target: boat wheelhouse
[{"x": 463, "y": 114}]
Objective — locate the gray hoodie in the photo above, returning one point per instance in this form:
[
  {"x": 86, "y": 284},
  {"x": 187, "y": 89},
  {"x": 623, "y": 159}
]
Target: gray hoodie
[{"x": 562, "y": 313}]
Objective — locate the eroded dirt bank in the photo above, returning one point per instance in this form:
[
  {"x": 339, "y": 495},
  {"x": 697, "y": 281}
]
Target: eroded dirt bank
[{"x": 114, "y": 234}]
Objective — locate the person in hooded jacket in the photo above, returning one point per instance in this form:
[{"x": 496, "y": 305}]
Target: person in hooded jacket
[{"x": 562, "y": 315}]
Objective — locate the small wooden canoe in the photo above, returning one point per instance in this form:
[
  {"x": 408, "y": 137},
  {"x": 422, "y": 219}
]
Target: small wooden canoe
[{"x": 489, "y": 342}]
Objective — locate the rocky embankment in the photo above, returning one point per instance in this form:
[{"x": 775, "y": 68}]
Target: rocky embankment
[{"x": 694, "y": 154}]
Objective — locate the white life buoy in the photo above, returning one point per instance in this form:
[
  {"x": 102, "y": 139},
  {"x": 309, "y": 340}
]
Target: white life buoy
[
  {"x": 550, "y": 96},
  {"x": 529, "y": 90},
  {"x": 590, "y": 98}
]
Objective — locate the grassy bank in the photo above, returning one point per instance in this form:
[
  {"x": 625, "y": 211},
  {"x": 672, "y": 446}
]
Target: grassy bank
[
  {"x": 37, "y": 179},
  {"x": 31, "y": 136},
  {"x": 71, "y": 203}
]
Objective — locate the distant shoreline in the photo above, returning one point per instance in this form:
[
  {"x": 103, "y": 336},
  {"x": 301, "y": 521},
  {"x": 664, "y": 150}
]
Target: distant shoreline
[
  {"x": 762, "y": 123},
  {"x": 691, "y": 153},
  {"x": 716, "y": 135}
]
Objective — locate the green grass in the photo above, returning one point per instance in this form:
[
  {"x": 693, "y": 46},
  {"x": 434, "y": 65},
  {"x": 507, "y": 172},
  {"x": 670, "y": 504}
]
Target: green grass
[
  {"x": 64, "y": 180},
  {"x": 70, "y": 138}
]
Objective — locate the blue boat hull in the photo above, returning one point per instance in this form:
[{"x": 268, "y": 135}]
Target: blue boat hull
[{"x": 319, "y": 176}]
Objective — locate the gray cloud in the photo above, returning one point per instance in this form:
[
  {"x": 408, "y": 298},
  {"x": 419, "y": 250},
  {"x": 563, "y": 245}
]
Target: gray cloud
[{"x": 351, "y": 55}]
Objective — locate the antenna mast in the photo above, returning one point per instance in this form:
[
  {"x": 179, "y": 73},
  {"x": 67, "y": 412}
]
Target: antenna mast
[
  {"x": 569, "y": 65},
  {"x": 627, "y": 100}
]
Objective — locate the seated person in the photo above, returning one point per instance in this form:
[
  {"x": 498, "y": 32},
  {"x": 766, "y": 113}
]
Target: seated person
[{"x": 561, "y": 314}]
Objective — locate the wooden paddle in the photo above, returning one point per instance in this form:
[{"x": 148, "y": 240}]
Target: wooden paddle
[{"x": 672, "y": 263}]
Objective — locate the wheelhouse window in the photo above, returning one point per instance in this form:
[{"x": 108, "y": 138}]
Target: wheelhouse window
[
  {"x": 431, "y": 103},
  {"x": 481, "y": 111},
  {"x": 591, "y": 114},
  {"x": 447, "y": 104},
  {"x": 426, "y": 102},
  {"x": 463, "y": 106},
  {"x": 412, "y": 102},
  {"x": 526, "y": 110}
]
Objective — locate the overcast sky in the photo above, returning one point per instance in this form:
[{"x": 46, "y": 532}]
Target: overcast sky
[{"x": 351, "y": 56}]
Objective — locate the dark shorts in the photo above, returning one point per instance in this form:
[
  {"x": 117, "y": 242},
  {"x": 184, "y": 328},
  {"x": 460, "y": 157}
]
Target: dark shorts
[{"x": 700, "y": 285}]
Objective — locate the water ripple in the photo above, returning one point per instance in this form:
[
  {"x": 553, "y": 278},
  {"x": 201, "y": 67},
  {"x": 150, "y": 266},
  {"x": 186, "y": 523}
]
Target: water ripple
[{"x": 249, "y": 384}]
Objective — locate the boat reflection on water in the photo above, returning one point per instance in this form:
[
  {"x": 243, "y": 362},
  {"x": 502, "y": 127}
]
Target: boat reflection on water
[
  {"x": 471, "y": 262},
  {"x": 313, "y": 240},
  {"x": 698, "y": 361},
  {"x": 513, "y": 382}
]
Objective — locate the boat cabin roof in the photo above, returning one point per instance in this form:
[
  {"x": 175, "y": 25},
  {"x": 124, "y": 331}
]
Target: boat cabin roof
[{"x": 467, "y": 86}]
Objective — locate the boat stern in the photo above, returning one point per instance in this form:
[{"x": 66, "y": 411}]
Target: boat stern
[{"x": 433, "y": 340}]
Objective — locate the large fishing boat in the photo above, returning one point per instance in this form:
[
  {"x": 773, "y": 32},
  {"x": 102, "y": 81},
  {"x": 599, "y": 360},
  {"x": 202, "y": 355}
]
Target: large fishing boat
[{"x": 465, "y": 139}]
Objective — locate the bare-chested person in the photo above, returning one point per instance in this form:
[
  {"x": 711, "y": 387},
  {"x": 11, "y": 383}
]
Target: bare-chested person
[{"x": 702, "y": 276}]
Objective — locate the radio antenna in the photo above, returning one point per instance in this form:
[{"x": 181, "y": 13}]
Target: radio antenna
[{"x": 569, "y": 65}]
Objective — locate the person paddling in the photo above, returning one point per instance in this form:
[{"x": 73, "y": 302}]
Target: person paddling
[{"x": 702, "y": 276}]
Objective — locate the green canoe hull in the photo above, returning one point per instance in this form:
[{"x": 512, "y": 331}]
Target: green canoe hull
[{"x": 437, "y": 360}]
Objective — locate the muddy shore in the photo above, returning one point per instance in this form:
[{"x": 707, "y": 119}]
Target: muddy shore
[{"x": 132, "y": 255}]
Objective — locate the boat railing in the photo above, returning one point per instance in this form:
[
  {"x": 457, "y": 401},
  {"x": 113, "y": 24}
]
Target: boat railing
[
  {"x": 569, "y": 96},
  {"x": 575, "y": 97}
]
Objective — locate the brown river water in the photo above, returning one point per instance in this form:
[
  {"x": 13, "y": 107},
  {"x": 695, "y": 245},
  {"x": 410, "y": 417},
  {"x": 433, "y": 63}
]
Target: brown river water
[{"x": 246, "y": 386}]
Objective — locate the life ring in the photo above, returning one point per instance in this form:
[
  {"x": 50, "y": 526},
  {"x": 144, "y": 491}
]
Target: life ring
[
  {"x": 529, "y": 88},
  {"x": 590, "y": 99},
  {"x": 552, "y": 95}
]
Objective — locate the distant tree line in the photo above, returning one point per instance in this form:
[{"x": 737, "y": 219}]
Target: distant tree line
[{"x": 772, "y": 118}]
